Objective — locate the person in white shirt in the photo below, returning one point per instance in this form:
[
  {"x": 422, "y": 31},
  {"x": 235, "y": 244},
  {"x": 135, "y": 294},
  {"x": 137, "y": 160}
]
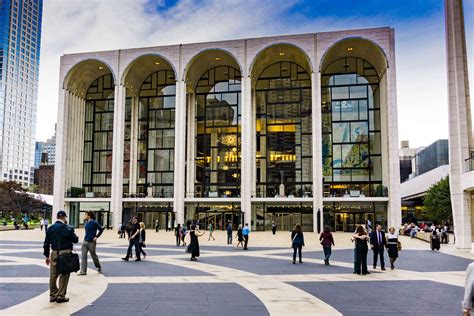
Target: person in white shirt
[{"x": 41, "y": 223}]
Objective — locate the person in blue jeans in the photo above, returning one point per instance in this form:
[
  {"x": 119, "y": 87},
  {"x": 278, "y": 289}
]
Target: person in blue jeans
[
  {"x": 245, "y": 234},
  {"x": 133, "y": 240},
  {"x": 93, "y": 231},
  {"x": 297, "y": 243},
  {"x": 327, "y": 241},
  {"x": 229, "y": 233}
]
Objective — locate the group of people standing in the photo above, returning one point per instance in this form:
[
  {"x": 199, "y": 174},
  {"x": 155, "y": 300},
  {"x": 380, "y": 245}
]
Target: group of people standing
[{"x": 378, "y": 243}]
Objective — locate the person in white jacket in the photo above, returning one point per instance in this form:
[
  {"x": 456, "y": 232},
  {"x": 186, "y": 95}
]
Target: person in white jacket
[{"x": 468, "y": 290}]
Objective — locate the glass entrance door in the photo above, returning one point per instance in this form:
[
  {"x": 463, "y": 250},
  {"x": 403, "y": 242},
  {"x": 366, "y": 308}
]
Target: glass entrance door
[{"x": 345, "y": 222}]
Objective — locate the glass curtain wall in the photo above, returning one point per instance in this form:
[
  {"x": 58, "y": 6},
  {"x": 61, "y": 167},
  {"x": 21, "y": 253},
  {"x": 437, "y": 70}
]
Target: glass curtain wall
[
  {"x": 217, "y": 138},
  {"x": 126, "y": 145},
  {"x": 156, "y": 121},
  {"x": 352, "y": 160},
  {"x": 98, "y": 135},
  {"x": 283, "y": 125}
]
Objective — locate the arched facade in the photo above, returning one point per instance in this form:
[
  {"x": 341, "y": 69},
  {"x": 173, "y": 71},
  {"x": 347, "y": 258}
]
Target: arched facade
[{"x": 235, "y": 132}]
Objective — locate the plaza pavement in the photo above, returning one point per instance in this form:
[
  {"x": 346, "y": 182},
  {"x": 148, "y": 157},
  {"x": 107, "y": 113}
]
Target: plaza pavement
[{"x": 226, "y": 281}]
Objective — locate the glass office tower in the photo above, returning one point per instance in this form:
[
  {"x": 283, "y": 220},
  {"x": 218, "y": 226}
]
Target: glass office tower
[{"x": 20, "y": 36}]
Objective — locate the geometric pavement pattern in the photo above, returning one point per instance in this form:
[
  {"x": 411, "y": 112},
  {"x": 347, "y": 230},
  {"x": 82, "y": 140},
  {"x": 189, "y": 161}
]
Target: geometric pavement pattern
[{"x": 259, "y": 281}]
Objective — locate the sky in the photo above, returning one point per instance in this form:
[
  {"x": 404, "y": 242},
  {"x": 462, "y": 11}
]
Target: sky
[{"x": 74, "y": 26}]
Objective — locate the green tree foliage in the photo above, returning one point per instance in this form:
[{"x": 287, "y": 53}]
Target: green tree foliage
[
  {"x": 15, "y": 200},
  {"x": 437, "y": 203}
]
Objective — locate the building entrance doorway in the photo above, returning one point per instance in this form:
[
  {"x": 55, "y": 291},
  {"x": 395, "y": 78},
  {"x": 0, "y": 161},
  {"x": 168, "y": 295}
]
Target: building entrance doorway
[
  {"x": 348, "y": 222},
  {"x": 287, "y": 221}
]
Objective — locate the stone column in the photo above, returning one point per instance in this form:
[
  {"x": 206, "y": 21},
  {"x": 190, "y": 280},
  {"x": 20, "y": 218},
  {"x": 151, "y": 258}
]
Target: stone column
[
  {"x": 179, "y": 151},
  {"x": 134, "y": 145},
  {"x": 317, "y": 166},
  {"x": 190, "y": 143},
  {"x": 247, "y": 135},
  {"x": 117, "y": 154},
  {"x": 460, "y": 130},
  {"x": 394, "y": 207},
  {"x": 61, "y": 150}
]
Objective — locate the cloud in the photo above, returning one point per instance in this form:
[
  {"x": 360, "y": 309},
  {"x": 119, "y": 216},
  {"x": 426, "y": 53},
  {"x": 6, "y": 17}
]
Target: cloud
[{"x": 91, "y": 25}]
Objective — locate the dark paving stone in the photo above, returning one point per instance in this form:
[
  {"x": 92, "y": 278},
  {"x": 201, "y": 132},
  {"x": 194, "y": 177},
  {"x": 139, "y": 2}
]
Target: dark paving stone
[
  {"x": 387, "y": 297},
  {"x": 414, "y": 260},
  {"x": 266, "y": 266},
  {"x": 18, "y": 246},
  {"x": 176, "y": 299},
  {"x": 26, "y": 254},
  {"x": 12, "y": 294},
  {"x": 225, "y": 248},
  {"x": 150, "y": 252},
  {"x": 23, "y": 271},
  {"x": 145, "y": 268},
  {"x": 21, "y": 242}
]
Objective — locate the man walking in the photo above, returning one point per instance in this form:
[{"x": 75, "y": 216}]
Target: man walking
[
  {"x": 245, "y": 233},
  {"x": 377, "y": 243},
  {"x": 90, "y": 242},
  {"x": 133, "y": 240},
  {"x": 60, "y": 238}
]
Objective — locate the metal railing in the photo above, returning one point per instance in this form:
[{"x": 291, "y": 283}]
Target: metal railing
[{"x": 469, "y": 162}]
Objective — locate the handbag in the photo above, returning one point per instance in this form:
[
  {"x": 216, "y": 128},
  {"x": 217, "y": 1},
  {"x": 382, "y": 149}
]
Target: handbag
[
  {"x": 399, "y": 246},
  {"x": 188, "y": 249},
  {"x": 67, "y": 262}
]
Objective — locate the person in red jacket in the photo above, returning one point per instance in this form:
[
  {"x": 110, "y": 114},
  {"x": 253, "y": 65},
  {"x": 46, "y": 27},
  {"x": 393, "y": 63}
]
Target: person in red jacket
[{"x": 327, "y": 241}]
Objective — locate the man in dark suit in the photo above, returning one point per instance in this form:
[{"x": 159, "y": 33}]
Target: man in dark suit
[
  {"x": 59, "y": 240},
  {"x": 378, "y": 243}
]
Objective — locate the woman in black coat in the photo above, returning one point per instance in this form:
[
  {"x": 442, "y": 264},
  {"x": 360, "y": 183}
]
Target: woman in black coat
[
  {"x": 361, "y": 248},
  {"x": 141, "y": 242},
  {"x": 297, "y": 242},
  {"x": 194, "y": 243}
]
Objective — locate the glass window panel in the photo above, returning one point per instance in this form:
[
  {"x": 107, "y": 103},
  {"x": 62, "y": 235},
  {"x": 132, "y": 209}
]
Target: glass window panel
[
  {"x": 336, "y": 111},
  {"x": 376, "y": 164},
  {"x": 341, "y": 132},
  {"x": 337, "y": 156},
  {"x": 345, "y": 79},
  {"x": 375, "y": 146},
  {"x": 350, "y": 156},
  {"x": 358, "y": 92},
  {"x": 340, "y": 93},
  {"x": 363, "y": 111},
  {"x": 349, "y": 110},
  {"x": 359, "y": 132}
]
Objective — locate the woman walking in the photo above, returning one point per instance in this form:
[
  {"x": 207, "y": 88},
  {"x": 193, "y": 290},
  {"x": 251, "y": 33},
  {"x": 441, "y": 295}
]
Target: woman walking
[
  {"x": 194, "y": 234},
  {"x": 297, "y": 238},
  {"x": 178, "y": 233},
  {"x": 183, "y": 234},
  {"x": 327, "y": 241},
  {"x": 240, "y": 237},
  {"x": 361, "y": 248},
  {"x": 141, "y": 242},
  {"x": 392, "y": 245}
]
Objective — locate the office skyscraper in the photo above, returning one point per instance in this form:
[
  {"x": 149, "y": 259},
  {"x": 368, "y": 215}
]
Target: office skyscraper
[{"x": 20, "y": 36}]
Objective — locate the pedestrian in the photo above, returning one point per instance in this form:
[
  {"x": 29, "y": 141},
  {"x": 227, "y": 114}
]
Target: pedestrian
[
  {"x": 327, "y": 241},
  {"x": 133, "y": 240},
  {"x": 468, "y": 290},
  {"x": 361, "y": 250},
  {"x": 157, "y": 226},
  {"x": 41, "y": 223},
  {"x": 245, "y": 234},
  {"x": 274, "y": 228},
  {"x": 141, "y": 240},
  {"x": 122, "y": 230},
  {"x": 444, "y": 234},
  {"x": 178, "y": 236},
  {"x": 240, "y": 237},
  {"x": 434, "y": 240},
  {"x": 92, "y": 231},
  {"x": 194, "y": 234},
  {"x": 46, "y": 223},
  {"x": 392, "y": 246},
  {"x": 60, "y": 238},
  {"x": 183, "y": 234},
  {"x": 211, "y": 230},
  {"x": 378, "y": 244},
  {"x": 297, "y": 242},
  {"x": 229, "y": 233}
]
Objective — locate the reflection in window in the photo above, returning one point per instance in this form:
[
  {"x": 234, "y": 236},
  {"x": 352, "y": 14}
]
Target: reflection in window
[
  {"x": 156, "y": 112},
  {"x": 98, "y": 136},
  {"x": 351, "y": 127},
  {"x": 218, "y": 133},
  {"x": 283, "y": 125}
]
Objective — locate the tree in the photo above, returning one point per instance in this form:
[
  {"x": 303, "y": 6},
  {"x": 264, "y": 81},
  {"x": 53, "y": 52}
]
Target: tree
[
  {"x": 437, "y": 203},
  {"x": 15, "y": 200}
]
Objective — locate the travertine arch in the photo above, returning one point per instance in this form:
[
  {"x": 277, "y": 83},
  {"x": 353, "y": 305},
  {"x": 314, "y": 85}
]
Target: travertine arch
[
  {"x": 80, "y": 76},
  {"x": 142, "y": 67},
  {"x": 205, "y": 60},
  {"x": 276, "y": 53},
  {"x": 359, "y": 47}
]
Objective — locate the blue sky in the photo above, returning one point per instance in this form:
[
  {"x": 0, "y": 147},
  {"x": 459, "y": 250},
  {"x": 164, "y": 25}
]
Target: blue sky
[{"x": 418, "y": 24}]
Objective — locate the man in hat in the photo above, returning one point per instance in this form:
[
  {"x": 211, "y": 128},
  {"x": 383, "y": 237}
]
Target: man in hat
[{"x": 60, "y": 238}]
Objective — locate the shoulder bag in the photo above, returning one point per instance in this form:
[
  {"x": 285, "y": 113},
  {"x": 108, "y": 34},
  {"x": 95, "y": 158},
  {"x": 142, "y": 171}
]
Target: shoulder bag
[{"x": 67, "y": 262}]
